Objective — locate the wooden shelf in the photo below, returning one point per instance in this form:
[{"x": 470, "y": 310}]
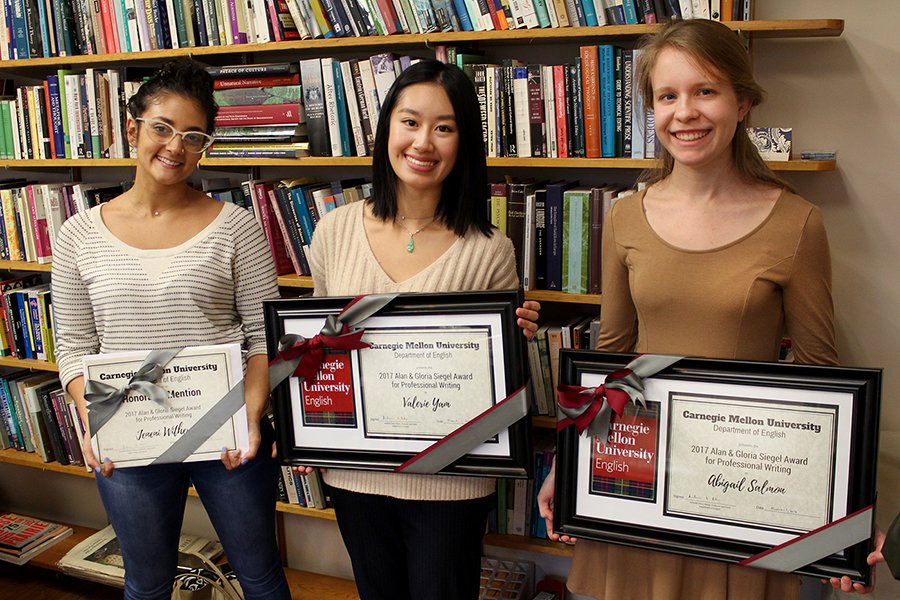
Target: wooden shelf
[
  {"x": 21, "y": 265},
  {"x": 365, "y": 161},
  {"x": 543, "y": 422},
  {"x": 609, "y": 33},
  {"x": 28, "y": 363},
  {"x": 519, "y": 542}
]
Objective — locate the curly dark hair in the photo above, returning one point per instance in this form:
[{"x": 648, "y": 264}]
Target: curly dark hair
[{"x": 183, "y": 77}]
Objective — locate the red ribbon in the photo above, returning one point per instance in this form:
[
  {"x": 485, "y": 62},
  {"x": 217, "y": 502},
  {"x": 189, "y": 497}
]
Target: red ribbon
[
  {"x": 313, "y": 351},
  {"x": 575, "y": 397}
]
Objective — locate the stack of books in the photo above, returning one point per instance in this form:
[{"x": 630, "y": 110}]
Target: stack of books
[
  {"x": 515, "y": 511},
  {"x": 303, "y": 490},
  {"x": 261, "y": 111},
  {"x": 99, "y": 558},
  {"x": 21, "y": 538}
]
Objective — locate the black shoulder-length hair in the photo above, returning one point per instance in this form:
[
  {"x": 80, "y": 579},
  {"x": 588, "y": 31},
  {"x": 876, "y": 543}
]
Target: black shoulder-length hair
[{"x": 462, "y": 204}]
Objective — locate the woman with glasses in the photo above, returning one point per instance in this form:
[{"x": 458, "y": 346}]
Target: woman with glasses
[{"x": 165, "y": 266}]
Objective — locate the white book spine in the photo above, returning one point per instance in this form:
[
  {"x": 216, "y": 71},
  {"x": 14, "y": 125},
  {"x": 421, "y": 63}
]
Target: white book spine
[
  {"x": 359, "y": 139},
  {"x": 700, "y": 9},
  {"x": 522, "y": 117},
  {"x": 371, "y": 92},
  {"x": 549, "y": 110},
  {"x": 600, "y": 10},
  {"x": 331, "y": 108},
  {"x": 490, "y": 74},
  {"x": 687, "y": 9},
  {"x": 173, "y": 24},
  {"x": 90, "y": 81},
  {"x": 715, "y": 10},
  {"x": 13, "y": 121},
  {"x": 637, "y": 111}
]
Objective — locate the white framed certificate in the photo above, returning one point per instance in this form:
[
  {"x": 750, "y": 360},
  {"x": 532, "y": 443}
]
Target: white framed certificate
[{"x": 196, "y": 379}]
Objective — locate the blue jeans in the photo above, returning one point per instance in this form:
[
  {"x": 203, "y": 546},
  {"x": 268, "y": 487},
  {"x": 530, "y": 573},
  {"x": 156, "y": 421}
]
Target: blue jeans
[{"x": 146, "y": 506}]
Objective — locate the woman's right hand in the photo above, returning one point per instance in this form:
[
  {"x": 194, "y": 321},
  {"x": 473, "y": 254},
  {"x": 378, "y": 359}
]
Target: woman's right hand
[
  {"x": 87, "y": 450},
  {"x": 545, "y": 503}
]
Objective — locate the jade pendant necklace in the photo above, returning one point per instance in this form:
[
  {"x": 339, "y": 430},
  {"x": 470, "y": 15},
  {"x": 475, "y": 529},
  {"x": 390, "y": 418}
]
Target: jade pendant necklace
[{"x": 411, "y": 245}]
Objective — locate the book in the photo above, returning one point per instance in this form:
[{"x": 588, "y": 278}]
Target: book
[
  {"x": 607, "y": 92},
  {"x": 591, "y": 84},
  {"x": 254, "y": 70},
  {"x": 263, "y": 114},
  {"x": 554, "y": 225},
  {"x": 314, "y": 104},
  {"x": 23, "y": 537},
  {"x": 276, "y": 94},
  {"x": 516, "y": 204},
  {"x": 575, "y": 239}
]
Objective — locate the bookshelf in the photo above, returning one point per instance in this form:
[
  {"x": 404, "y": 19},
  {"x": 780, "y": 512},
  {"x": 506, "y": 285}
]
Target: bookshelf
[{"x": 248, "y": 53}]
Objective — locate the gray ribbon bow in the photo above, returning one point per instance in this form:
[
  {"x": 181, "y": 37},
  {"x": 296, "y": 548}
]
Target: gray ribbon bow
[{"x": 104, "y": 400}]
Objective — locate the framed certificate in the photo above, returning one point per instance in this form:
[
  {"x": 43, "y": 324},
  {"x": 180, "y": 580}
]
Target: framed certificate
[
  {"x": 434, "y": 362},
  {"x": 724, "y": 460},
  {"x": 196, "y": 379}
]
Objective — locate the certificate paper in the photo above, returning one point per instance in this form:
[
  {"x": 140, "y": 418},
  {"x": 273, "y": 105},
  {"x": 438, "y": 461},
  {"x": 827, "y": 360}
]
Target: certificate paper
[
  {"x": 196, "y": 379},
  {"x": 423, "y": 383},
  {"x": 724, "y": 451}
]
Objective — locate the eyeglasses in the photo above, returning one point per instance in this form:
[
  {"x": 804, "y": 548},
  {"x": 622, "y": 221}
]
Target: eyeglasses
[{"x": 161, "y": 132}]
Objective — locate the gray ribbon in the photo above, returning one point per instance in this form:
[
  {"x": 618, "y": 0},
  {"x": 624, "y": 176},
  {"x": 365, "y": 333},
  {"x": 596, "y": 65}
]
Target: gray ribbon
[
  {"x": 104, "y": 400},
  {"x": 471, "y": 435},
  {"x": 205, "y": 427}
]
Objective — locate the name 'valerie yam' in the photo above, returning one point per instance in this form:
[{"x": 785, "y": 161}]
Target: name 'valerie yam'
[{"x": 744, "y": 420}]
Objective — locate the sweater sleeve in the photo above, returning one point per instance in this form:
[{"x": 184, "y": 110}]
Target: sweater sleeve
[
  {"x": 618, "y": 322},
  {"x": 808, "y": 305},
  {"x": 74, "y": 325},
  {"x": 502, "y": 262},
  {"x": 254, "y": 281}
]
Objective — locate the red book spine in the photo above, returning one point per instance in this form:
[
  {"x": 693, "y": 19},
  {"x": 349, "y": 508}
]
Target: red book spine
[
  {"x": 590, "y": 80},
  {"x": 282, "y": 226},
  {"x": 49, "y": 119},
  {"x": 270, "y": 228},
  {"x": 260, "y": 114},
  {"x": 109, "y": 27},
  {"x": 248, "y": 82},
  {"x": 559, "y": 95},
  {"x": 390, "y": 17}
]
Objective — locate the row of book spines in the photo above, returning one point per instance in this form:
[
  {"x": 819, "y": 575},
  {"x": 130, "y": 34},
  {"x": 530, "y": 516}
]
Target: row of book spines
[
  {"x": 556, "y": 229},
  {"x": 41, "y": 121},
  {"x": 288, "y": 211},
  {"x": 27, "y": 328},
  {"x": 33, "y": 213},
  {"x": 306, "y": 490},
  {"x": 38, "y": 416},
  {"x": 515, "y": 511},
  {"x": 543, "y": 356},
  {"x": 591, "y": 108}
]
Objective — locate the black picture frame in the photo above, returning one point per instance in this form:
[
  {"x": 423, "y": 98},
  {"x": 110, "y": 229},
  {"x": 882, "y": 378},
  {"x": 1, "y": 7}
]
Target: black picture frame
[
  {"x": 648, "y": 524},
  {"x": 489, "y": 313}
]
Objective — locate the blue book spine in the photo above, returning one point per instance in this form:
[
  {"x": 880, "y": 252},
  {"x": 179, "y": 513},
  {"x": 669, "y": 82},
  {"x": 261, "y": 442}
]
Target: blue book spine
[
  {"x": 9, "y": 419},
  {"x": 343, "y": 117},
  {"x": 337, "y": 25},
  {"x": 45, "y": 29},
  {"x": 35, "y": 325},
  {"x": 465, "y": 23},
  {"x": 20, "y": 30},
  {"x": 59, "y": 140},
  {"x": 630, "y": 12},
  {"x": 22, "y": 306},
  {"x": 306, "y": 223},
  {"x": 590, "y": 16},
  {"x": 542, "y": 13},
  {"x": 607, "y": 101}
]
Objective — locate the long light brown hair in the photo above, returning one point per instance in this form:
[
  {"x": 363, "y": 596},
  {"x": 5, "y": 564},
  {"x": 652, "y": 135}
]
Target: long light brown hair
[{"x": 717, "y": 50}]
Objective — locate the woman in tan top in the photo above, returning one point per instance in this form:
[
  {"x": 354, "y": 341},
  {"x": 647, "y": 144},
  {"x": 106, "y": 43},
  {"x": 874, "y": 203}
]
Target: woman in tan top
[{"x": 718, "y": 258}]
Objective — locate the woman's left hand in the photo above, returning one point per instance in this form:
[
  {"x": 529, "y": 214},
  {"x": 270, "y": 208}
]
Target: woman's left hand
[
  {"x": 233, "y": 459},
  {"x": 844, "y": 584},
  {"x": 528, "y": 316}
]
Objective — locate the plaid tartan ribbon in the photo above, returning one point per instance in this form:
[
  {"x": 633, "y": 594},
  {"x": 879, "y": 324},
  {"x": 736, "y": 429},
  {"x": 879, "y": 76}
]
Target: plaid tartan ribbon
[{"x": 590, "y": 409}]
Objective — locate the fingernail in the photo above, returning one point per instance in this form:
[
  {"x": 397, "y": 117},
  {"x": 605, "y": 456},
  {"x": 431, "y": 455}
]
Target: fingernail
[
  {"x": 106, "y": 460},
  {"x": 244, "y": 462},
  {"x": 96, "y": 469},
  {"x": 224, "y": 449}
]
